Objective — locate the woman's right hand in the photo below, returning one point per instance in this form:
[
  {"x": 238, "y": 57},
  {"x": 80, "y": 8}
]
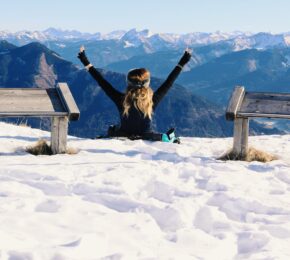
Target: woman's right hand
[{"x": 82, "y": 56}]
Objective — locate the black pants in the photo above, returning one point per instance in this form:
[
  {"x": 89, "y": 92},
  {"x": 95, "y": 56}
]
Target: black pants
[{"x": 114, "y": 131}]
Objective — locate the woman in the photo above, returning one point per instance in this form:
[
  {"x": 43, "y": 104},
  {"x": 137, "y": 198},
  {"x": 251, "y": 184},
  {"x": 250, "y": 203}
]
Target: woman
[{"x": 137, "y": 105}]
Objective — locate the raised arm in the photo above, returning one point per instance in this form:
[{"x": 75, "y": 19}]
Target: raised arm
[
  {"x": 114, "y": 94},
  {"x": 163, "y": 89}
]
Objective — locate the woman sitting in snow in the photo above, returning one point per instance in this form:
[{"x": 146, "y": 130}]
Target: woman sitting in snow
[{"x": 136, "y": 106}]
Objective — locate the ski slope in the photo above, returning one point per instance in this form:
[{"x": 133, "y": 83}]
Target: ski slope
[{"x": 140, "y": 200}]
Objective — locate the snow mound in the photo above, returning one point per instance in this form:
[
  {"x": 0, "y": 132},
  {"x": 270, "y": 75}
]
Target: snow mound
[{"x": 139, "y": 200}]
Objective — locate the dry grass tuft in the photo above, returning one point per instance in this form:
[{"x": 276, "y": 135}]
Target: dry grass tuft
[
  {"x": 253, "y": 155},
  {"x": 42, "y": 148},
  {"x": 71, "y": 150}
]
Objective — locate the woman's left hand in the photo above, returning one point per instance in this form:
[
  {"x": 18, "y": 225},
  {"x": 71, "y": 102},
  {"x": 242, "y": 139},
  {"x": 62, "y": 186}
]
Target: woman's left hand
[{"x": 186, "y": 57}]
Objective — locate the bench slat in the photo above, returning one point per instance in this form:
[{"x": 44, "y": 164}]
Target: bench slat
[
  {"x": 274, "y": 105},
  {"x": 30, "y": 101},
  {"x": 268, "y": 96},
  {"x": 68, "y": 101},
  {"x": 244, "y": 115},
  {"x": 235, "y": 102},
  {"x": 33, "y": 114}
]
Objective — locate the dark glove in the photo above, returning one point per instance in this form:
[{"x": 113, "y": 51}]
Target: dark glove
[
  {"x": 83, "y": 58},
  {"x": 185, "y": 58}
]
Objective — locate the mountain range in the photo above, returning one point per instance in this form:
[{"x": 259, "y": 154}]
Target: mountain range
[
  {"x": 219, "y": 62},
  {"x": 135, "y": 37},
  {"x": 34, "y": 65},
  {"x": 122, "y": 45},
  {"x": 257, "y": 70},
  {"x": 132, "y": 36}
]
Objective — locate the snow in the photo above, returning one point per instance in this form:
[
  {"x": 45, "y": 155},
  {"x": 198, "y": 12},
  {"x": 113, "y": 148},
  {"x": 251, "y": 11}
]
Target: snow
[
  {"x": 287, "y": 40},
  {"x": 128, "y": 44},
  {"x": 119, "y": 199}
]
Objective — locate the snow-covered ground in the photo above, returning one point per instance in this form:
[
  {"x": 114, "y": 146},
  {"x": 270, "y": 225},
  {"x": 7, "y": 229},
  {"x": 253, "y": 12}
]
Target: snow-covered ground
[{"x": 140, "y": 200}]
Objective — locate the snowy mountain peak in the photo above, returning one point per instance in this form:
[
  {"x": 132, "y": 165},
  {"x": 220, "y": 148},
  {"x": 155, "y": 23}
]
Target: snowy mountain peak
[
  {"x": 59, "y": 34},
  {"x": 287, "y": 40},
  {"x": 135, "y": 33},
  {"x": 263, "y": 40},
  {"x": 135, "y": 37},
  {"x": 114, "y": 35}
]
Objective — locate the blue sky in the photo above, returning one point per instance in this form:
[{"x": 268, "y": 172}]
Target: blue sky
[{"x": 179, "y": 16}]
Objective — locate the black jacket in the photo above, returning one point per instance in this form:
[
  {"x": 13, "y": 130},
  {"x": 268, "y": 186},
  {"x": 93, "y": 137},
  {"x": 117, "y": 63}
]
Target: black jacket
[{"x": 135, "y": 123}]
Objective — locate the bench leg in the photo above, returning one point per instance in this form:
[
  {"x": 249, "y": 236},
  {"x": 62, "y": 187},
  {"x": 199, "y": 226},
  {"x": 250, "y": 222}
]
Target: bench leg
[
  {"x": 59, "y": 128},
  {"x": 241, "y": 133}
]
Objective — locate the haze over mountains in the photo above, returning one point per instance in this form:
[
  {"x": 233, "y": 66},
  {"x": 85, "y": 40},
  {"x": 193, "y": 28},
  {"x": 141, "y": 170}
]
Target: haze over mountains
[{"x": 219, "y": 62}]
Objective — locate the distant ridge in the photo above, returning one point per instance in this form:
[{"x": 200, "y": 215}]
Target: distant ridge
[
  {"x": 136, "y": 37},
  {"x": 6, "y": 46}
]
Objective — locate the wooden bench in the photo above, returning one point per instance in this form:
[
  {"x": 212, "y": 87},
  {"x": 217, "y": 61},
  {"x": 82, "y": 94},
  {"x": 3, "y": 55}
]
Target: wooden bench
[
  {"x": 244, "y": 105},
  {"x": 56, "y": 103}
]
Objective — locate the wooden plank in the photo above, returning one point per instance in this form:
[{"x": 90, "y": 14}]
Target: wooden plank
[
  {"x": 235, "y": 102},
  {"x": 68, "y": 101},
  {"x": 268, "y": 95},
  {"x": 265, "y": 115},
  {"x": 33, "y": 114},
  {"x": 30, "y": 100},
  {"x": 237, "y": 136},
  {"x": 241, "y": 132},
  {"x": 245, "y": 137},
  {"x": 59, "y": 128},
  {"x": 265, "y": 105}
]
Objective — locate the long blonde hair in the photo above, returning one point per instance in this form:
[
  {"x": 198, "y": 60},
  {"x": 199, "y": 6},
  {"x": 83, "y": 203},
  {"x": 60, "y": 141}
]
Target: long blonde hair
[{"x": 141, "y": 97}]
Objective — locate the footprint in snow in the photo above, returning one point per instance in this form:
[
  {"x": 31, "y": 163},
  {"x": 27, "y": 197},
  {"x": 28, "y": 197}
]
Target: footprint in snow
[
  {"x": 237, "y": 209},
  {"x": 49, "y": 206},
  {"x": 14, "y": 255},
  {"x": 277, "y": 231},
  {"x": 72, "y": 243},
  {"x": 249, "y": 242},
  {"x": 205, "y": 220},
  {"x": 49, "y": 188}
]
